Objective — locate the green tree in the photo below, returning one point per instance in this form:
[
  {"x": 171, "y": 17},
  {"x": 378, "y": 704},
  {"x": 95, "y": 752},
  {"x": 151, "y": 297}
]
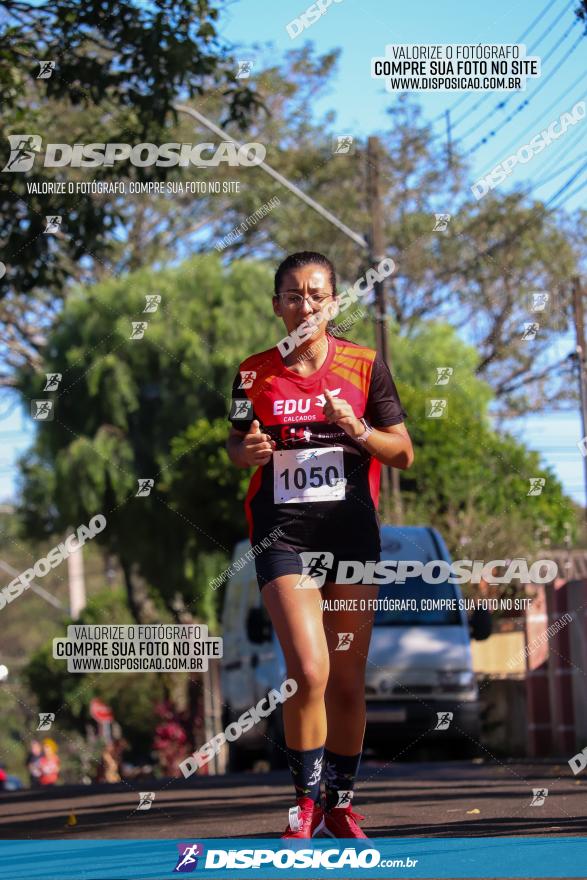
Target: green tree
[
  {"x": 469, "y": 479},
  {"x": 132, "y": 696},
  {"x": 150, "y": 408},
  {"x": 119, "y": 68}
]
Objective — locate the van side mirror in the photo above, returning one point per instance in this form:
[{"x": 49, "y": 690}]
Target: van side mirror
[
  {"x": 259, "y": 628},
  {"x": 480, "y": 624}
]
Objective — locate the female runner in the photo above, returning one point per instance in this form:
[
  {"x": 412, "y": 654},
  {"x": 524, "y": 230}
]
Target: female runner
[{"x": 317, "y": 424}]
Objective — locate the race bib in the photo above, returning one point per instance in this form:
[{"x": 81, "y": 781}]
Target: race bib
[{"x": 302, "y": 475}]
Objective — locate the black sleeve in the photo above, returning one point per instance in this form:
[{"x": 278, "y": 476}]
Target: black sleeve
[
  {"x": 241, "y": 413},
  {"x": 384, "y": 407}
]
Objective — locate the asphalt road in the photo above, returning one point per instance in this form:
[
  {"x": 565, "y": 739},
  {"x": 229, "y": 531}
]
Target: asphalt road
[{"x": 441, "y": 799}]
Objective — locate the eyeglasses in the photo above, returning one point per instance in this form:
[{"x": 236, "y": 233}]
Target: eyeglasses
[{"x": 295, "y": 300}]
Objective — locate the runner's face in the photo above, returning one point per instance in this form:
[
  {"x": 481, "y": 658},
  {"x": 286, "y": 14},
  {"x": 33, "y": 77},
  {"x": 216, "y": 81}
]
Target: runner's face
[{"x": 313, "y": 284}]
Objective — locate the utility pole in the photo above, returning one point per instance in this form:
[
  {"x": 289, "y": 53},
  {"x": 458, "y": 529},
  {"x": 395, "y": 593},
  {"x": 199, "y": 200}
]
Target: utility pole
[
  {"x": 578, "y": 316},
  {"x": 448, "y": 139},
  {"x": 389, "y": 476},
  {"x": 375, "y": 248},
  {"x": 77, "y": 584}
]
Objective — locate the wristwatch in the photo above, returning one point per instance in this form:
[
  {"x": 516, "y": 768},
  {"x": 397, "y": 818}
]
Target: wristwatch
[{"x": 366, "y": 433}]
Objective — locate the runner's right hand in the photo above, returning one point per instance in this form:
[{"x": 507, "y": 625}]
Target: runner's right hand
[{"x": 257, "y": 447}]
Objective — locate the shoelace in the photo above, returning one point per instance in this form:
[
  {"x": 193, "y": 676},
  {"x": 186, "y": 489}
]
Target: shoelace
[{"x": 305, "y": 817}]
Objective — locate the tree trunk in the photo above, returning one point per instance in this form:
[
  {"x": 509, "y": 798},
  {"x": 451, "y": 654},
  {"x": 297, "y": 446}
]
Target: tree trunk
[{"x": 141, "y": 605}]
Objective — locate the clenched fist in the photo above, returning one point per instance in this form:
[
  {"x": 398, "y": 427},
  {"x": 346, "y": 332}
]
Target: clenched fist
[
  {"x": 257, "y": 447},
  {"x": 339, "y": 412}
]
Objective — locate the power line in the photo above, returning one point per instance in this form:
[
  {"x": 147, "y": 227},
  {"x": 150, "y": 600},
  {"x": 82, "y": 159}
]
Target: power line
[
  {"x": 563, "y": 148},
  {"x": 566, "y": 186},
  {"x": 523, "y": 104},
  {"x": 551, "y": 26},
  {"x": 537, "y": 121},
  {"x": 573, "y": 193},
  {"x": 557, "y": 173},
  {"x": 536, "y": 216},
  {"x": 468, "y": 95}
]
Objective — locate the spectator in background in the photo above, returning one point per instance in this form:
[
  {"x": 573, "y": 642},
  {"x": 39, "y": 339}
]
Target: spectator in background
[
  {"x": 33, "y": 762},
  {"x": 49, "y": 764},
  {"x": 108, "y": 768}
]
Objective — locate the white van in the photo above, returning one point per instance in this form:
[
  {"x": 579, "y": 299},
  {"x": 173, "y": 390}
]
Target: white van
[{"x": 419, "y": 663}]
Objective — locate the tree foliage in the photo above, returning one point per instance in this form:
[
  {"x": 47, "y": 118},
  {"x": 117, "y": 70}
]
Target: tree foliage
[
  {"x": 119, "y": 67},
  {"x": 150, "y": 408},
  {"x": 132, "y": 696}
]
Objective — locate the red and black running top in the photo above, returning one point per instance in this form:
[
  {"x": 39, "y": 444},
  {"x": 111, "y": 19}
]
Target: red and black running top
[{"x": 321, "y": 487}]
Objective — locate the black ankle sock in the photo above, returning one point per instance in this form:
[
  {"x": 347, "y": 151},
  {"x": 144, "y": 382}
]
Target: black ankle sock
[
  {"x": 340, "y": 773},
  {"x": 306, "y": 771}
]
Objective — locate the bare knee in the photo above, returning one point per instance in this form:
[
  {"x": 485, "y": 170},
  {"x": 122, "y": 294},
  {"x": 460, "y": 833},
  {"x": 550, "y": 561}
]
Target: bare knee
[
  {"x": 347, "y": 689},
  {"x": 311, "y": 674}
]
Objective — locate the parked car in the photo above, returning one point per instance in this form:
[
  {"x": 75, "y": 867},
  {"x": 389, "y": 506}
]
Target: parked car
[{"x": 419, "y": 663}]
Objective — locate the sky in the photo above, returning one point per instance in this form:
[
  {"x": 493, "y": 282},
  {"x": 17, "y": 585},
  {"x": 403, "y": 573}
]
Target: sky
[{"x": 362, "y": 29}]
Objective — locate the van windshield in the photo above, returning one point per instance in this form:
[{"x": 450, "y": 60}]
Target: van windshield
[{"x": 412, "y": 593}]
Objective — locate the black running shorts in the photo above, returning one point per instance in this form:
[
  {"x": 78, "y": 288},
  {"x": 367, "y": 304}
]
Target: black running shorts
[{"x": 321, "y": 566}]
